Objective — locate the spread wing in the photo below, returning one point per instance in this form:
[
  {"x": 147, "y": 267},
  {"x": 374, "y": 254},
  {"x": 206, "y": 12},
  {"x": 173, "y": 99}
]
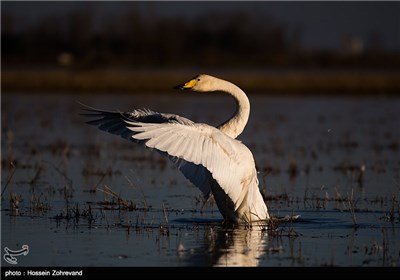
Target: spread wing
[
  {"x": 228, "y": 160},
  {"x": 115, "y": 122},
  {"x": 198, "y": 150}
]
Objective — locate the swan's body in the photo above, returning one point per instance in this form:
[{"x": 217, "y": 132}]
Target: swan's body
[{"x": 209, "y": 157}]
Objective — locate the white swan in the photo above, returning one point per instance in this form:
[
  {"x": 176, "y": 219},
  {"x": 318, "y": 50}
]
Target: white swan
[{"x": 209, "y": 157}]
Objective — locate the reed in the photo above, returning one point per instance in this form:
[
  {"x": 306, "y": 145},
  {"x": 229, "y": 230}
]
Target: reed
[
  {"x": 351, "y": 204},
  {"x": 126, "y": 205},
  {"x": 10, "y": 176},
  {"x": 146, "y": 206}
]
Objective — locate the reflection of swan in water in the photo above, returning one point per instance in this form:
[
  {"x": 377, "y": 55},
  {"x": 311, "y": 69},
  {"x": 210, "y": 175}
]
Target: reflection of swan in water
[
  {"x": 238, "y": 246},
  {"x": 243, "y": 247},
  {"x": 209, "y": 157}
]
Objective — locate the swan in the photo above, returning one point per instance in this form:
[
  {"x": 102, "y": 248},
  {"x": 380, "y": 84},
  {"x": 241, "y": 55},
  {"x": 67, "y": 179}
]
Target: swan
[{"x": 209, "y": 157}]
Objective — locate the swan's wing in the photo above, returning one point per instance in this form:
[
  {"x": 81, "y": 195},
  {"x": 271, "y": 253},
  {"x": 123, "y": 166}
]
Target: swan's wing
[
  {"x": 115, "y": 122},
  {"x": 197, "y": 174},
  {"x": 227, "y": 159}
]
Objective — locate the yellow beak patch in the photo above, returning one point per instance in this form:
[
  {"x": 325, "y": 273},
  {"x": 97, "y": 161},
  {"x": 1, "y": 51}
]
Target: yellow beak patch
[{"x": 190, "y": 84}]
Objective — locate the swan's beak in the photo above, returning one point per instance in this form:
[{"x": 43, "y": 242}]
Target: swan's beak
[{"x": 187, "y": 85}]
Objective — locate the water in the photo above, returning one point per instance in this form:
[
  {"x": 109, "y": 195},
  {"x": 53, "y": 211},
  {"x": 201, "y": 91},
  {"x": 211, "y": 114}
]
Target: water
[{"x": 335, "y": 161}]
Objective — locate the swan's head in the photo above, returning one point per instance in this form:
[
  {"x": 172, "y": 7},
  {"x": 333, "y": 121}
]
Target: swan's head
[{"x": 201, "y": 83}]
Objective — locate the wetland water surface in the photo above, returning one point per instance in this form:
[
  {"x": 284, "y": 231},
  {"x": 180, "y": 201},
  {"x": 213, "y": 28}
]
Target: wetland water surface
[{"x": 78, "y": 196}]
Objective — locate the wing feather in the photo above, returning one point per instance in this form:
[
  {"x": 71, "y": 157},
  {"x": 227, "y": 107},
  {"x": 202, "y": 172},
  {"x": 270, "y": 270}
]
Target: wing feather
[
  {"x": 175, "y": 146},
  {"x": 125, "y": 125},
  {"x": 198, "y": 150},
  {"x": 202, "y": 145}
]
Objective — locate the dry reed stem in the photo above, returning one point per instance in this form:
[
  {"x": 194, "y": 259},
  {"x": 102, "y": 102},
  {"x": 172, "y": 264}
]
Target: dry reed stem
[
  {"x": 14, "y": 168},
  {"x": 120, "y": 200}
]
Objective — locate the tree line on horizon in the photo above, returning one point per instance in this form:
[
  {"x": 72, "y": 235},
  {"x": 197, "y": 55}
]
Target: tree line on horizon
[{"x": 211, "y": 40}]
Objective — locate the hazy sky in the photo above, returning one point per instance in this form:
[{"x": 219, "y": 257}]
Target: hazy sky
[{"x": 323, "y": 24}]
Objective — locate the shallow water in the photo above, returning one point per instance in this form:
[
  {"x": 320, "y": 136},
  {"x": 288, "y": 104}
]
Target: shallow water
[{"x": 333, "y": 161}]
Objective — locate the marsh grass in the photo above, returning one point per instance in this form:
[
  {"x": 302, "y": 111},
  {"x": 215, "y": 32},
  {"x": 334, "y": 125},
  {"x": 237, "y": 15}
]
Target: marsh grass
[
  {"x": 146, "y": 206},
  {"x": 165, "y": 213},
  {"x": 351, "y": 203},
  {"x": 73, "y": 213},
  {"x": 122, "y": 203},
  {"x": 64, "y": 80},
  {"x": 391, "y": 214},
  {"x": 10, "y": 176},
  {"x": 39, "y": 203},
  {"x": 15, "y": 200}
]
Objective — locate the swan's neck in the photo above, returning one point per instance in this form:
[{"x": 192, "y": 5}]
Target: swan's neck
[{"x": 236, "y": 124}]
